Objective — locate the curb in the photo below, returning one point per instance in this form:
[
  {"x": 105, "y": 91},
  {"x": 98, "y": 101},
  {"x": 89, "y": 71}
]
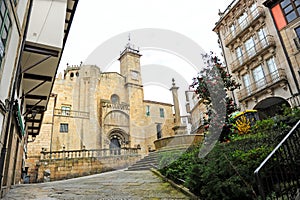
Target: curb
[{"x": 181, "y": 188}]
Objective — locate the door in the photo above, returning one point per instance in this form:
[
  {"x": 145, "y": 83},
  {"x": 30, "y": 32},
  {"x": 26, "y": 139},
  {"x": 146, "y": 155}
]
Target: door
[{"x": 115, "y": 146}]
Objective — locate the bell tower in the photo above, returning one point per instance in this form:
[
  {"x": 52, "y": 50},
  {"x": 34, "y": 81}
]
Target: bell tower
[
  {"x": 130, "y": 68},
  {"x": 130, "y": 65}
]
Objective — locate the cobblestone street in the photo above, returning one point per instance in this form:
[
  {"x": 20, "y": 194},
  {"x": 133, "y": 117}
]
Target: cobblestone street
[{"x": 119, "y": 185}]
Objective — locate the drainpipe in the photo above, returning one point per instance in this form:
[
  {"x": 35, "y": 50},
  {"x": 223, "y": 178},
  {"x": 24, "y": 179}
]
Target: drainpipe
[{"x": 12, "y": 98}]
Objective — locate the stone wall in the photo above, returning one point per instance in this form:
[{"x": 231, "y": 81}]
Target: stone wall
[{"x": 76, "y": 167}]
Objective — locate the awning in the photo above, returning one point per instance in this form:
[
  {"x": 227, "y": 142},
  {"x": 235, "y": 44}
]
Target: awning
[{"x": 40, "y": 60}]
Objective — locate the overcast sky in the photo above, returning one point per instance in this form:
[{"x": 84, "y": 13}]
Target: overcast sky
[{"x": 96, "y": 21}]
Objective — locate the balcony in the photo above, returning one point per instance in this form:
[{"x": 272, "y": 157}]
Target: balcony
[
  {"x": 268, "y": 81},
  {"x": 258, "y": 49},
  {"x": 242, "y": 27},
  {"x": 71, "y": 113}
]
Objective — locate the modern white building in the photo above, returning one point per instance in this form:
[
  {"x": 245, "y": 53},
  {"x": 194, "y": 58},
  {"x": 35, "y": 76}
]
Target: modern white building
[{"x": 33, "y": 35}]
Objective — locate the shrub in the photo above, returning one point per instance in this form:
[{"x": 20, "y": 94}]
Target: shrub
[{"x": 227, "y": 171}]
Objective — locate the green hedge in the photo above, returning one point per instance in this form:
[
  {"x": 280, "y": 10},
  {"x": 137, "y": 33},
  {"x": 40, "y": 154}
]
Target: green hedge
[{"x": 227, "y": 172}]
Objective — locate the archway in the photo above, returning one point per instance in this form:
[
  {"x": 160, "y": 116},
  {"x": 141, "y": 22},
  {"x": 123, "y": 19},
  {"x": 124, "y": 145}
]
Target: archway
[
  {"x": 270, "y": 107},
  {"x": 118, "y": 138}
]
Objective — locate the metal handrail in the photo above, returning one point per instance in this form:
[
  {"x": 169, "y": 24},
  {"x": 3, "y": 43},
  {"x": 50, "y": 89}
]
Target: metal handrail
[{"x": 278, "y": 176}]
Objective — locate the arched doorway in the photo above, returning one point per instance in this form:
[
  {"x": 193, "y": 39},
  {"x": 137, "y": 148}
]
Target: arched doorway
[
  {"x": 118, "y": 138},
  {"x": 270, "y": 107},
  {"x": 115, "y": 146}
]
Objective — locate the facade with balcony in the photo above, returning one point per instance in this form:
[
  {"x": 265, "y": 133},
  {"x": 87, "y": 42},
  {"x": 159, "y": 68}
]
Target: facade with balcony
[
  {"x": 33, "y": 34},
  {"x": 254, "y": 54}
]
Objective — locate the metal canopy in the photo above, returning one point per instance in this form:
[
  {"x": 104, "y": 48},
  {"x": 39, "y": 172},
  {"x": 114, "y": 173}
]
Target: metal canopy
[{"x": 39, "y": 63}]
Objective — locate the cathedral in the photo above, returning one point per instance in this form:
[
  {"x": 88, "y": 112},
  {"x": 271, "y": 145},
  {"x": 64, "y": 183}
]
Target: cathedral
[{"x": 90, "y": 109}]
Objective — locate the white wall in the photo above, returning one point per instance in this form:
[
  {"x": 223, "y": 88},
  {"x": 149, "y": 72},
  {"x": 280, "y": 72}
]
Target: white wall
[{"x": 46, "y": 25}]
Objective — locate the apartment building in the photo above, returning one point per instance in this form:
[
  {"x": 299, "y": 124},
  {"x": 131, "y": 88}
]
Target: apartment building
[
  {"x": 33, "y": 35},
  {"x": 255, "y": 54}
]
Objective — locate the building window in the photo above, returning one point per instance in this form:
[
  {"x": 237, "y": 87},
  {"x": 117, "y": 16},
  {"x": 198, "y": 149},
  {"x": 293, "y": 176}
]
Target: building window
[
  {"x": 250, "y": 47},
  {"x": 158, "y": 131},
  {"x": 297, "y": 30},
  {"x": 259, "y": 76},
  {"x": 291, "y": 9},
  {"x": 5, "y": 25},
  {"x": 161, "y": 112},
  {"x": 64, "y": 128},
  {"x": 246, "y": 80},
  {"x": 242, "y": 20},
  {"x": 65, "y": 110},
  {"x": 253, "y": 9},
  {"x": 272, "y": 68},
  {"x": 147, "y": 110},
  {"x": 114, "y": 99},
  {"x": 238, "y": 52},
  {"x": 297, "y": 39},
  {"x": 232, "y": 29},
  {"x": 262, "y": 37}
]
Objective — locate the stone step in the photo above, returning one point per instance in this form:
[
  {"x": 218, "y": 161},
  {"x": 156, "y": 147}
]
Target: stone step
[
  {"x": 136, "y": 168},
  {"x": 152, "y": 159}
]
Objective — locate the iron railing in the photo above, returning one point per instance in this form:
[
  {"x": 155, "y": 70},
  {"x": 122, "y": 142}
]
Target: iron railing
[
  {"x": 248, "y": 56},
  {"x": 278, "y": 176},
  {"x": 240, "y": 28},
  {"x": 270, "y": 79}
]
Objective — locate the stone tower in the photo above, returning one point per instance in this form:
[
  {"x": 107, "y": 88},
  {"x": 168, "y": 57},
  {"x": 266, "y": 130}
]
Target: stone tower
[{"x": 130, "y": 68}]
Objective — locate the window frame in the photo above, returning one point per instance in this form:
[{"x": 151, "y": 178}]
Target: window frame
[
  {"x": 259, "y": 76},
  {"x": 115, "y": 99},
  {"x": 161, "y": 112},
  {"x": 250, "y": 47},
  {"x": 247, "y": 83},
  {"x": 294, "y": 9},
  {"x": 5, "y": 25},
  {"x": 63, "y": 127},
  {"x": 272, "y": 67},
  {"x": 65, "y": 110},
  {"x": 147, "y": 110},
  {"x": 239, "y": 54}
]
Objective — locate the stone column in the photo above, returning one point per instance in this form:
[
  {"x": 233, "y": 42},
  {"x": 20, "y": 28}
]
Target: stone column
[
  {"x": 174, "y": 90},
  {"x": 179, "y": 129}
]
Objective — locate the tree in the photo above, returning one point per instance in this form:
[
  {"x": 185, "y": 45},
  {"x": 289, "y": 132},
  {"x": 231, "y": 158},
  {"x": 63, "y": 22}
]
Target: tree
[{"x": 212, "y": 85}]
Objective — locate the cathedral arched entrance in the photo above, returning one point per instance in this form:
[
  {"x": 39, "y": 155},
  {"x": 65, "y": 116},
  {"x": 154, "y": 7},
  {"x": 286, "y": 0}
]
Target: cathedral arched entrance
[
  {"x": 270, "y": 107},
  {"x": 118, "y": 138}
]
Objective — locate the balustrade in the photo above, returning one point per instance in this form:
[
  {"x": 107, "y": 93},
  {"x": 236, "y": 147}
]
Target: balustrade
[
  {"x": 71, "y": 113},
  {"x": 91, "y": 153}
]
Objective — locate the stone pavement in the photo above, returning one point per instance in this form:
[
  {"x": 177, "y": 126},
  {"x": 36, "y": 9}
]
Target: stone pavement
[{"x": 118, "y": 185}]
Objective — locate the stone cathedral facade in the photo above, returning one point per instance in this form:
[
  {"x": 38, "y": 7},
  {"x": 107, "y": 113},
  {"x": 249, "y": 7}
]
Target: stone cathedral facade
[{"x": 90, "y": 109}]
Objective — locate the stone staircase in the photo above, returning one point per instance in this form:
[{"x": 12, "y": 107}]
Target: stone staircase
[
  {"x": 152, "y": 159},
  {"x": 149, "y": 161}
]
